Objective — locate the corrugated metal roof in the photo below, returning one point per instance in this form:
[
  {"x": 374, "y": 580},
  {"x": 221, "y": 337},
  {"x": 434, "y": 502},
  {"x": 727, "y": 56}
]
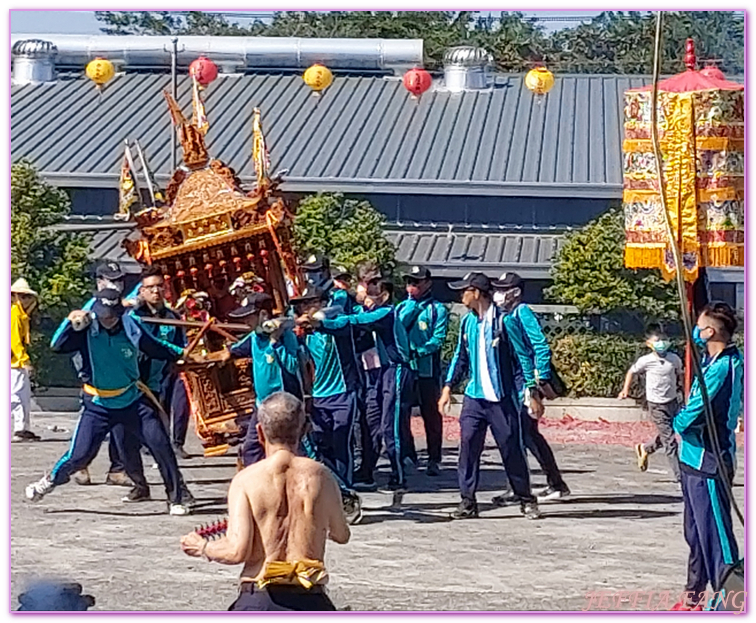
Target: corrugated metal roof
[
  {"x": 445, "y": 253},
  {"x": 454, "y": 253},
  {"x": 106, "y": 235},
  {"x": 364, "y": 134}
]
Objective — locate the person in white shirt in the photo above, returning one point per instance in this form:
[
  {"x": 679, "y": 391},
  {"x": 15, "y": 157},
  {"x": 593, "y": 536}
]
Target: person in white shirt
[{"x": 663, "y": 371}]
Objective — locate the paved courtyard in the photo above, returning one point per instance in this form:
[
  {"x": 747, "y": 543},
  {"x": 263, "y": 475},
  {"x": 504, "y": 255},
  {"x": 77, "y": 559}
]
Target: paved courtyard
[{"x": 620, "y": 531}]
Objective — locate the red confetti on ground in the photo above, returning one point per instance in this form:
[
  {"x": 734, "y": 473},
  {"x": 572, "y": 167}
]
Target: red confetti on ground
[{"x": 569, "y": 430}]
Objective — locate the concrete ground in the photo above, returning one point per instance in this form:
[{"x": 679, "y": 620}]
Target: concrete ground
[{"x": 621, "y": 531}]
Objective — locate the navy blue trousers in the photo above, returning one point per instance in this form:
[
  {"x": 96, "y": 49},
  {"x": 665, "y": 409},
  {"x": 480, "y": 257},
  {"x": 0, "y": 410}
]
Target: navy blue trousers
[
  {"x": 155, "y": 437},
  {"x": 708, "y": 530},
  {"x": 252, "y": 450},
  {"x": 371, "y": 435},
  {"x": 178, "y": 407},
  {"x": 474, "y": 420},
  {"x": 332, "y": 424},
  {"x": 428, "y": 393},
  {"x": 397, "y": 404},
  {"x": 537, "y": 444},
  {"x": 94, "y": 423}
]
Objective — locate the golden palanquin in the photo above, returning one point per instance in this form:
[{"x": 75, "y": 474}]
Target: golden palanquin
[
  {"x": 701, "y": 132},
  {"x": 209, "y": 233}
]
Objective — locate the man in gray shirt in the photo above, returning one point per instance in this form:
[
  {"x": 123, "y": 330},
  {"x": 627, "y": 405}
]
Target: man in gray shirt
[{"x": 663, "y": 370}]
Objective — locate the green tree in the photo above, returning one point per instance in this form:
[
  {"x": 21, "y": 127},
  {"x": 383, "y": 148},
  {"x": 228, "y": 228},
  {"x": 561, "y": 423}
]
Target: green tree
[
  {"x": 590, "y": 274},
  {"x": 514, "y": 41},
  {"x": 622, "y": 42},
  {"x": 612, "y": 42},
  {"x": 346, "y": 230},
  {"x": 54, "y": 263}
]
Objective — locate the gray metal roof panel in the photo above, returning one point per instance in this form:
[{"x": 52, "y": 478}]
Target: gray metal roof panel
[{"x": 364, "y": 134}]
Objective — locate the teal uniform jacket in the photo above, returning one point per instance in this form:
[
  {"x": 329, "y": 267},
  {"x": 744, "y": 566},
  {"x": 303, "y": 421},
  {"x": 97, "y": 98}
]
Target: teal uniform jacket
[
  {"x": 392, "y": 338},
  {"x": 427, "y": 333},
  {"x": 530, "y": 344},
  {"x": 154, "y": 371},
  {"x": 342, "y": 298},
  {"x": 333, "y": 353},
  {"x": 275, "y": 367},
  {"x": 723, "y": 376},
  {"x": 466, "y": 363},
  {"x": 110, "y": 359}
]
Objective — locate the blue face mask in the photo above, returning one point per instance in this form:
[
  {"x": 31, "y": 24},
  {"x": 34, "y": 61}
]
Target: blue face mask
[
  {"x": 660, "y": 346},
  {"x": 698, "y": 339}
]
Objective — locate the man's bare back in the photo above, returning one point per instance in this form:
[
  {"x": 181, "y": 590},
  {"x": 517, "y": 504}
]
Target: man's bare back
[
  {"x": 281, "y": 510},
  {"x": 295, "y": 506}
]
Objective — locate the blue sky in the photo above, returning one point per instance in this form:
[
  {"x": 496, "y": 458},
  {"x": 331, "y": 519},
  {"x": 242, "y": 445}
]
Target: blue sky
[{"x": 84, "y": 22}]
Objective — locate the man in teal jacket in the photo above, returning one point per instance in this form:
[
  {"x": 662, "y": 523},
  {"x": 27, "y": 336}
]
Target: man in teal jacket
[
  {"x": 274, "y": 351},
  {"x": 534, "y": 369},
  {"x": 392, "y": 342},
  {"x": 706, "y": 488},
  {"x": 335, "y": 384},
  {"x": 110, "y": 342},
  {"x": 484, "y": 357},
  {"x": 427, "y": 321}
]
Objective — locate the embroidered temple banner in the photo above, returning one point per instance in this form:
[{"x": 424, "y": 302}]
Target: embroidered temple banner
[{"x": 701, "y": 136}]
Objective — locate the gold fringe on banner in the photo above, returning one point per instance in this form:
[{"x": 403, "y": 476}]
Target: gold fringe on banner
[
  {"x": 644, "y": 257},
  {"x": 723, "y": 256},
  {"x": 703, "y": 143}
]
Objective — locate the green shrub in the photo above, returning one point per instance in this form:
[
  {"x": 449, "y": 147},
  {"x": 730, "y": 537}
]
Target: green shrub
[{"x": 596, "y": 365}]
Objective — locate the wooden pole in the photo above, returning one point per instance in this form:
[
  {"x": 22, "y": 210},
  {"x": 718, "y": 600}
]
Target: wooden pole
[
  {"x": 198, "y": 337},
  {"x": 197, "y": 325},
  {"x": 688, "y": 352}
]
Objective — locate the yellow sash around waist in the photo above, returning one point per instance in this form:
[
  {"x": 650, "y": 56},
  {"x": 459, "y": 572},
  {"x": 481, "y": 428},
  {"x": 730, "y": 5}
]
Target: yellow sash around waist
[
  {"x": 306, "y": 572},
  {"x": 104, "y": 393}
]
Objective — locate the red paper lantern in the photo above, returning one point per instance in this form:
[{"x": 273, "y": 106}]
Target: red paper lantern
[
  {"x": 417, "y": 81},
  {"x": 204, "y": 70}
]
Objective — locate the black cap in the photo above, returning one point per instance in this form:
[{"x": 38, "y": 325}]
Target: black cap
[
  {"x": 311, "y": 293},
  {"x": 316, "y": 261},
  {"x": 107, "y": 303},
  {"x": 416, "y": 273},
  {"x": 472, "y": 280},
  {"x": 340, "y": 272},
  {"x": 251, "y": 304},
  {"x": 508, "y": 281},
  {"x": 110, "y": 271}
]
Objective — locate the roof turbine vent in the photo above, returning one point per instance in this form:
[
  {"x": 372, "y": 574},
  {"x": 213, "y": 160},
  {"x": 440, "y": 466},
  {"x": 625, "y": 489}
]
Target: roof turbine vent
[
  {"x": 466, "y": 68},
  {"x": 33, "y": 61}
]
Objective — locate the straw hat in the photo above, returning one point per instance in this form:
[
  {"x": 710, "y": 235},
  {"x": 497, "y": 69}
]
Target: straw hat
[{"x": 21, "y": 286}]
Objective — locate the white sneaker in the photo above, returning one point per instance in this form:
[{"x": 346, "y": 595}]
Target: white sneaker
[
  {"x": 37, "y": 490},
  {"x": 179, "y": 509}
]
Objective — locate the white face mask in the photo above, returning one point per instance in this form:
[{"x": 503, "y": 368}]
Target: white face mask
[{"x": 500, "y": 298}]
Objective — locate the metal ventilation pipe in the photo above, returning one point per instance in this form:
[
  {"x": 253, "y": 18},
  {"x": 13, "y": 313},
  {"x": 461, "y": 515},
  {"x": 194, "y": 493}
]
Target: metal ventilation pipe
[
  {"x": 33, "y": 61},
  {"x": 466, "y": 68},
  {"x": 241, "y": 52}
]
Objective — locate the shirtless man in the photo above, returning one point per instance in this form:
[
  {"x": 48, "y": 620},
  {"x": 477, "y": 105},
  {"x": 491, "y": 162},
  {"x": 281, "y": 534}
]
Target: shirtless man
[{"x": 281, "y": 510}]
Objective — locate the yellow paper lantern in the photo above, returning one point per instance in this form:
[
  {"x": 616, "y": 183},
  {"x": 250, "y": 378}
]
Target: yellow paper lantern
[
  {"x": 318, "y": 77},
  {"x": 100, "y": 71},
  {"x": 539, "y": 80}
]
